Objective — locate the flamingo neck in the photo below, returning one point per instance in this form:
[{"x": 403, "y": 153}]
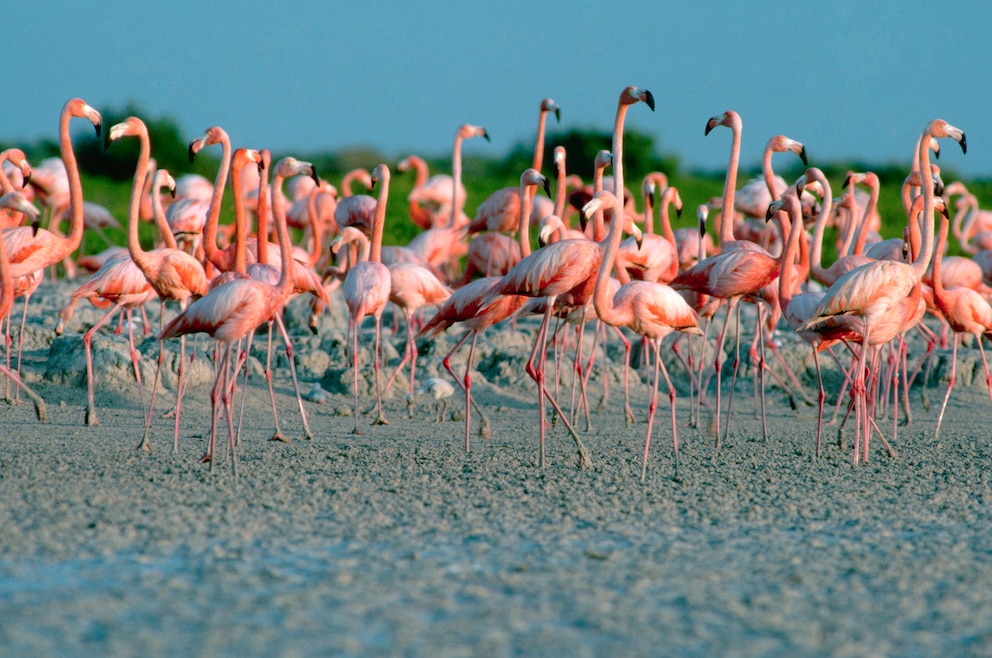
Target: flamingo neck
[
  {"x": 523, "y": 223},
  {"x": 539, "y": 145},
  {"x": 862, "y": 235},
  {"x": 75, "y": 236},
  {"x": 210, "y": 247},
  {"x": 601, "y": 300},
  {"x": 158, "y": 214},
  {"x": 285, "y": 284},
  {"x": 134, "y": 203},
  {"x": 262, "y": 213},
  {"x": 456, "y": 180},
  {"x": 730, "y": 185},
  {"x": 375, "y": 251}
]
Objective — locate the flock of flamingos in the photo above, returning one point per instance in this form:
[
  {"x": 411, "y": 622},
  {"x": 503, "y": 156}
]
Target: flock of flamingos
[{"x": 481, "y": 271}]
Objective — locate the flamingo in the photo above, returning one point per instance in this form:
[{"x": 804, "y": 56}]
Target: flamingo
[
  {"x": 29, "y": 250},
  {"x": 565, "y": 269},
  {"x": 871, "y": 299},
  {"x": 366, "y": 291},
  {"x": 966, "y": 311},
  {"x": 419, "y": 215},
  {"x": 229, "y": 312},
  {"x": 121, "y": 284},
  {"x": 411, "y": 288},
  {"x": 175, "y": 275},
  {"x": 17, "y": 202},
  {"x": 650, "y": 309},
  {"x": 441, "y": 245}
]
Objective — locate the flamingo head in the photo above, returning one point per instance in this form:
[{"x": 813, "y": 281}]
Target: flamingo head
[
  {"x": 631, "y": 95},
  {"x": 548, "y": 105},
  {"x": 129, "y": 127},
  {"x": 730, "y": 119}
]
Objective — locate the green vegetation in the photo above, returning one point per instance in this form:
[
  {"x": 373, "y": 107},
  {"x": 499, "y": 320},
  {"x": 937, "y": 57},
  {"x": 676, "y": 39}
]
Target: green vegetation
[{"x": 107, "y": 174}]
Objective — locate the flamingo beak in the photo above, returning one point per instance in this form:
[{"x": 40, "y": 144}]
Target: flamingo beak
[
  {"x": 649, "y": 99},
  {"x": 313, "y": 175},
  {"x": 964, "y": 144},
  {"x": 193, "y": 150},
  {"x": 485, "y": 134},
  {"x": 802, "y": 156},
  {"x": 35, "y": 225},
  {"x": 557, "y": 114}
]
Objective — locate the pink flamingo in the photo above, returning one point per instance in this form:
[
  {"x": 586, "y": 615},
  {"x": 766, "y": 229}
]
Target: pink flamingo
[
  {"x": 440, "y": 246},
  {"x": 966, "y": 311},
  {"x": 16, "y": 202},
  {"x": 741, "y": 270},
  {"x": 411, "y": 288},
  {"x": 420, "y": 216},
  {"x": 648, "y": 308},
  {"x": 565, "y": 269},
  {"x": 175, "y": 275},
  {"x": 366, "y": 291},
  {"x": 870, "y": 299},
  {"x": 231, "y": 311},
  {"x": 30, "y": 250}
]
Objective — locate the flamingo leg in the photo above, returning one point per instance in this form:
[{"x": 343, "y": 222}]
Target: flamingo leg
[
  {"x": 380, "y": 419},
  {"x": 950, "y": 385},
  {"x": 307, "y": 434},
  {"x": 91, "y": 418}
]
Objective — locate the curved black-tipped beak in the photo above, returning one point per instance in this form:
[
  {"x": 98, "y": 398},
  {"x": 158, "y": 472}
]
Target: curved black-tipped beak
[
  {"x": 847, "y": 180},
  {"x": 702, "y": 229},
  {"x": 938, "y": 188},
  {"x": 964, "y": 144},
  {"x": 639, "y": 239},
  {"x": 98, "y": 126},
  {"x": 172, "y": 191},
  {"x": 943, "y": 211},
  {"x": 678, "y": 212},
  {"x": 649, "y": 99},
  {"x": 27, "y": 179},
  {"x": 547, "y": 187},
  {"x": 799, "y": 189},
  {"x": 710, "y": 124},
  {"x": 802, "y": 156},
  {"x": 558, "y": 114},
  {"x": 769, "y": 213},
  {"x": 583, "y": 221},
  {"x": 485, "y": 133},
  {"x": 313, "y": 175},
  {"x": 35, "y": 225},
  {"x": 192, "y": 153},
  {"x": 651, "y": 198}
]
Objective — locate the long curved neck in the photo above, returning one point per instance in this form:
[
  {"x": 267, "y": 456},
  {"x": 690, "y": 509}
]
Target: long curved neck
[
  {"x": 316, "y": 235},
  {"x": 422, "y": 172},
  {"x": 667, "y": 198},
  {"x": 134, "y": 204},
  {"x": 539, "y": 145},
  {"x": 768, "y": 174},
  {"x": 922, "y": 260},
  {"x": 210, "y": 248},
  {"x": 862, "y": 237},
  {"x": 561, "y": 191},
  {"x": 601, "y": 300},
  {"x": 787, "y": 270},
  {"x": 938, "y": 282},
  {"x": 820, "y": 226},
  {"x": 618, "y": 189},
  {"x": 456, "y": 180},
  {"x": 262, "y": 213},
  {"x": 523, "y": 222},
  {"x": 75, "y": 236},
  {"x": 4, "y": 180},
  {"x": 158, "y": 214},
  {"x": 375, "y": 251},
  {"x": 285, "y": 284},
  {"x": 730, "y": 185},
  {"x": 240, "y": 242},
  {"x": 649, "y": 214}
]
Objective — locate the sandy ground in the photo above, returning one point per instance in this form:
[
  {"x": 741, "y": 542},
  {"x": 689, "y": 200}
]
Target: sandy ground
[{"x": 399, "y": 543}]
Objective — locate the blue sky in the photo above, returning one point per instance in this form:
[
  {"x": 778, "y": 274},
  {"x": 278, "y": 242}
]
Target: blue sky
[{"x": 850, "y": 79}]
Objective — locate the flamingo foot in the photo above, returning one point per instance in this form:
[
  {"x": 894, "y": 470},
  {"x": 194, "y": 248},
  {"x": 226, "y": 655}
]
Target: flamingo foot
[
  {"x": 278, "y": 436},
  {"x": 381, "y": 420},
  {"x": 91, "y": 418}
]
